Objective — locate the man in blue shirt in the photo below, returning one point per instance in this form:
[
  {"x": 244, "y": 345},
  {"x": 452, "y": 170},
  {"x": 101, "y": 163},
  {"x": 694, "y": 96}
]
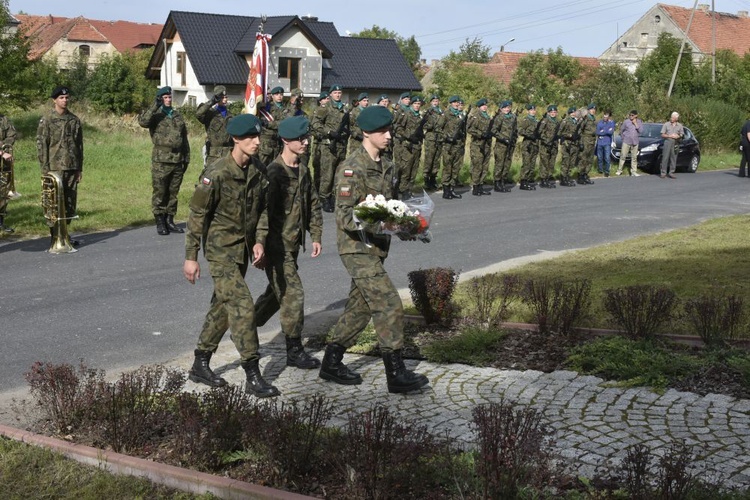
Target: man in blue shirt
[{"x": 605, "y": 128}]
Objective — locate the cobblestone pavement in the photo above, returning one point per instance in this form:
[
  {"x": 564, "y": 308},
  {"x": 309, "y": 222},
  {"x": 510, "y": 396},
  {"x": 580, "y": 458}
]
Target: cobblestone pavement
[{"x": 593, "y": 424}]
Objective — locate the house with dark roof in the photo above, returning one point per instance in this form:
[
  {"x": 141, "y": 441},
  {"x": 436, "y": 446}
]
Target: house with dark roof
[
  {"x": 66, "y": 38},
  {"x": 732, "y": 33},
  {"x": 197, "y": 51}
]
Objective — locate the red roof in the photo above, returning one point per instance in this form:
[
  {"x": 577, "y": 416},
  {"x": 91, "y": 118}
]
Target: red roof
[
  {"x": 732, "y": 31},
  {"x": 503, "y": 65},
  {"x": 45, "y": 31}
]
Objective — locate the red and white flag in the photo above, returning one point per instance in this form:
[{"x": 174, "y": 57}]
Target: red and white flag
[{"x": 255, "y": 92}]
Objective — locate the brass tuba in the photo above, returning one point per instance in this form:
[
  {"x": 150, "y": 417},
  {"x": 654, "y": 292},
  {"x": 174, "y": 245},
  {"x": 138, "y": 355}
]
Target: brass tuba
[
  {"x": 8, "y": 177},
  {"x": 53, "y": 205}
]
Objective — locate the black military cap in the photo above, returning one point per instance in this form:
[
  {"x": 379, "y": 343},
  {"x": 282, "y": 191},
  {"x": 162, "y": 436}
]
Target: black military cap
[
  {"x": 374, "y": 118},
  {"x": 242, "y": 125},
  {"x": 293, "y": 127},
  {"x": 164, "y": 91},
  {"x": 61, "y": 90}
]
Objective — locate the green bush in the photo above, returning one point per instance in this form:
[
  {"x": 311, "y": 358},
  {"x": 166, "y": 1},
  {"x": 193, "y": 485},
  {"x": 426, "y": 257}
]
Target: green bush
[
  {"x": 432, "y": 293},
  {"x": 473, "y": 346},
  {"x": 715, "y": 123}
]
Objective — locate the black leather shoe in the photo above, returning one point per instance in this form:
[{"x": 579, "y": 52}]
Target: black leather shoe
[{"x": 334, "y": 370}]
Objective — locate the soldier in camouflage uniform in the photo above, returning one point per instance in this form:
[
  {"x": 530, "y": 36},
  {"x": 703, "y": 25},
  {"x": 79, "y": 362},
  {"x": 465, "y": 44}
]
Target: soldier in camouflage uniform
[
  {"x": 293, "y": 210},
  {"x": 363, "y": 250},
  {"x": 452, "y": 132},
  {"x": 7, "y": 139},
  {"x": 59, "y": 143},
  {"x": 548, "y": 146},
  {"x": 335, "y": 130},
  {"x": 478, "y": 127},
  {"x": 385, "y": 101},
  {"x": 296, "y": 101},
  {"x": 226, "y": 210},
  {"x": 505, "y": 132},
  {"x": 588, "y": 145},
  {"x": 316, "y": 128},
  {"x": 433, "y": 144},
  {"x": 529, "y": 130},
  {"x": 169, "y": 158},
  {"x": 407, "y": 129},
  {"x": 355, "y": 139},
  {"x": 214, "y": 115},
  {"x": 570, "y": 134},
  {"x": 270, "y": 117}
]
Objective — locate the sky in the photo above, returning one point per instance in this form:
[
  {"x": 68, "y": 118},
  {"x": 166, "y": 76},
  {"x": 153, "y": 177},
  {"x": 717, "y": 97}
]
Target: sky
[{"x": 580, "y": 27}]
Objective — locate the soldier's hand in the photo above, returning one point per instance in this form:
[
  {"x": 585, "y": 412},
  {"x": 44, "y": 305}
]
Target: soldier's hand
[
  {"x": 159, "y": 101},
  {"x": 191, "y": 270},
  {"x": 259, "y": 255},
  {"x": 317, "y": 248}
]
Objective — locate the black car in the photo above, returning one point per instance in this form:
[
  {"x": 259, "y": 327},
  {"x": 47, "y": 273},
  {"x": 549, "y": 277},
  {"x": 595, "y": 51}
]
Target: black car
[{"x": 650, "y": 150}]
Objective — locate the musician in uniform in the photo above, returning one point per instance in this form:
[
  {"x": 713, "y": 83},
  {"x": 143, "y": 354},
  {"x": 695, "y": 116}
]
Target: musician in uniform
[
  {"x": 59, "y": 143},
  {"x": 7, "y": 139}
]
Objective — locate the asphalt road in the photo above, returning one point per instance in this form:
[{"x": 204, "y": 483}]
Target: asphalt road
[{"x": 121, "y": 301}]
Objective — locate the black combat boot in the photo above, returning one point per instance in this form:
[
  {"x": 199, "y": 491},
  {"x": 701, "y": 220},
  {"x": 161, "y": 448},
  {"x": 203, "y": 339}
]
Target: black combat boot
[
  {"x": 399, "y": 378},
  {"x": 432, "y": 186},
  {"x": 161, "y": 224},
  {"x": 475, "y": 190},
  {"x": 581, "y": 179},
  {"x": 296, "y": 355},
  {"x": 334, "y": 370},
  {"x": 527, "y": 186},
  {"x": 447, "y": 193},
  {"x": 173, "y": 228},
  {"x": 483, "y": 191},
  {"x": 201, "y": 373},
  {"x": 3, "y": 227},
  {"x": 587, "y": 179},
  {"x": 499, "y": 187},
  {"x": 254, "y": 383},
  {"x": 454, "y": 194}
]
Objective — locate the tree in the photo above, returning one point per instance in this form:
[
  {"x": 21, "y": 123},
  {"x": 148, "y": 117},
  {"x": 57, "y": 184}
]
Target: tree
[
  {"x": 654, "y": 72},
  {"x": 471, "y": 51},
  {"x": 545, "y": 78},
  {"x": 610, "y": 86},
  {"x": 117, "y": 83},
  {"x": 14, "y": 62},
  {"x": 408, "y": 47},
  {"x": 468, "y": 80}
]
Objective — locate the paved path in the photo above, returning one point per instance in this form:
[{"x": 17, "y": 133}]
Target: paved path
[{"x": 593, "y": 424}]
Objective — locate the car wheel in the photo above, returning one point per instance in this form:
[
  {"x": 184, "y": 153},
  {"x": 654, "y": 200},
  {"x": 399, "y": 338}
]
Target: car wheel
[{"x": 694, "y": 162}]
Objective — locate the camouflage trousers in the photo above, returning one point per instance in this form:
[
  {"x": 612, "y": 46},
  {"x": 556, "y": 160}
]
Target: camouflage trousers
[
  {"x": 503, "y": 161},
  {"x": 284, "y": 292},
  {"x": 372, "y": 295},
  {"x": 406, "y": 156},
  {"x": 270, "y": 148},
  {"x": 4, "y": 188},
  {"x": 547, "y": 159},
  {"x": 315, "y": 157},
  {"x": 569, "y": 157},
  {"x": 586, "y": 157},
  {"x": 529, "y": 152},
  {"x": 453, "y": 159},
  {"x": 330, "y": 157},
  {"x": 166, "y": 179},
  {"x": 479, "y": 152},
  {"x": 432, "y": 155},
  {"x": 231, "y": 308}
]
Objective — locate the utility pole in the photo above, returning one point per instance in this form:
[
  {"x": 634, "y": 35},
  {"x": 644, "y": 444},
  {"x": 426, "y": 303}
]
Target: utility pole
[
  {"x": 713, "y": 42},
  {"x": 682, "y": 45}
]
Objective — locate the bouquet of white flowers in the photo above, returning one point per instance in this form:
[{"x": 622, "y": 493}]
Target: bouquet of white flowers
[{"x": 407, "y": 219}]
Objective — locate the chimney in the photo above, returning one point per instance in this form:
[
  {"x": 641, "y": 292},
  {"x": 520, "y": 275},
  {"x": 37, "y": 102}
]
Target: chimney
[
  {"x": 310, "y": 17},
  {"x": 742, "y": 14},
  {"x": 703, "y": 7}
]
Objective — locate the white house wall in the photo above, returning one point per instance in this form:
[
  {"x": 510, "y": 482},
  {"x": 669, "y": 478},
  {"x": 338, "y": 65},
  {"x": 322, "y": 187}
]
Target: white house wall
[
  {"x": 190, "y": 93},
  {"x": 293, "y": 43}
]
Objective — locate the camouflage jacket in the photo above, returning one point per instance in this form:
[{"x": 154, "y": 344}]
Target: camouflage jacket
[
  {"x": 278, "y": 112},
  {"x": 216, "y": 125},
  {"x": 569, "y": 129},
  {"x": 59, "y": 142},
  {"x": 293, "y": 209},
  {"x": 431, "y": 124},
  {"x": 451, "y": 127},
  {"x": 504, "y": 128},
  {"x": 168, "y": 134},
  {"x": 528, "y": 128},
  {"x": 588, "y": 129},
  {"x": 316, "y": 124},
  {"x": 331, "y": 122},
  {"x": 7, "y": 134},
  {"x": 548, "y": 131},
  {"x": 478, "y": 125},
  {"x": 406, "y": 124},
  {"x": 355, "y": 131},
  {"x": 226, "y": 210},
  {"x": 356, "y": 177}
]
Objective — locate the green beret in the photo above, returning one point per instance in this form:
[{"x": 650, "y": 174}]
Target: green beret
[
  {"x": 417, "y": 98},
  {"x": 277, "y": 90},
  {"x": 242, "y": 125},
  {"x": 454, "y": 98},
  {"x": 591, "y": 106},
  {"x": 434, "y": 96},
  {"x": 164, "y": 91},
  {"x": 571, "y": 110},
  {"x": 530, "y": 106},
  {"x": 298, "y": 92},
  {"x": 405, "y": 95},
  {"x": 374, "y": 118},
  {"x": 383, "y": 97},
  {"x": 323, "y": 95},
  {"x": 335, "y": 86},
  {"x": 460, "y": 101},
  {"x": 61, "y": 90},
  {"x": 363, "y": 95},
  {"x": 220, "y": 90},
  {"x": 293, "y": 127},
  {"x": 481, "y": 102},
  {"x": 506, "y": 104},
  {"x": 551, "y": 107}
]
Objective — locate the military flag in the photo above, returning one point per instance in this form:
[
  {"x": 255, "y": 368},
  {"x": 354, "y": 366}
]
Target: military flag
[{"x": 255, "y": 92}]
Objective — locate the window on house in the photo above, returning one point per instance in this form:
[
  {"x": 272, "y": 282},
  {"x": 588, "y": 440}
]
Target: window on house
[
  {"x": 84, "y": 50},
  {"x": 625, "y": 45},
  {"x": 644, "y": 39},
  {"x": 657, "y": 19},
  {"x": 192, "y": 101},
  {"x": 181, "y": 68},
  {"x": 289, "y": 68}
]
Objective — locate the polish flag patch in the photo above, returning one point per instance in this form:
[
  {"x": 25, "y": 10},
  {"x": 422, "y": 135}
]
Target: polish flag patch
[
  {"x": 206, "y": 181},
  {"x": 345, "y": 191},
  {"x": 348, "y": 172}
]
